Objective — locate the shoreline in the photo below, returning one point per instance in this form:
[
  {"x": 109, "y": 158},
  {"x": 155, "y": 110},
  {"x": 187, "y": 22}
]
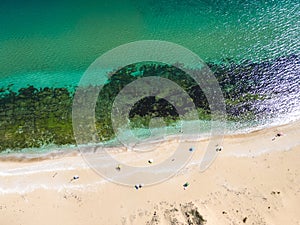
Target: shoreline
[
  {"x": 164, "y": 148},
  {"x": 56, "y": 152}
]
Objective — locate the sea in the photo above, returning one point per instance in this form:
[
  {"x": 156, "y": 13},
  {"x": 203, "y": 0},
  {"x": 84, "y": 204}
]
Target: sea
[{"x": 52, "y": 43}]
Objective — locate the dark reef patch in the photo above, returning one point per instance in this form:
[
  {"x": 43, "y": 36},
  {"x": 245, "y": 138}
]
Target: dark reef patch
[{"x": 33, "y": 117}]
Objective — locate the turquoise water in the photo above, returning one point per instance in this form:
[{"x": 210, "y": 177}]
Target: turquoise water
[{"x": 52, "y": 43}]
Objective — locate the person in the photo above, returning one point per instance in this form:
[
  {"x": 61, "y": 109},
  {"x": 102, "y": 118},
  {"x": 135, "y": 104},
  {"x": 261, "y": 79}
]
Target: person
[
  {"x": 74, "y": 178},
  {"x": 219, "y": 148},
  {"x": 118, "y": 167},
  {"x": 185, "y": 185}
]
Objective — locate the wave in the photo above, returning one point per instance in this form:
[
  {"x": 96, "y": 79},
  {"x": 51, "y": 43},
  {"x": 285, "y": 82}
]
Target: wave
[
  {"x": 58, "y": 187},
  {"x": 27, "y": 156},
  {"x": 116, "y": 146}
]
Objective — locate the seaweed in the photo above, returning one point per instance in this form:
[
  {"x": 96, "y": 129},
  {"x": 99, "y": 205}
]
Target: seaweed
[{"x": 34, "y": 117}]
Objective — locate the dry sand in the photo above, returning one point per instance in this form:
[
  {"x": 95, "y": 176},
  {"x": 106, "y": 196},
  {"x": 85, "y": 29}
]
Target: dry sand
[{"x": 254, "y": 180}]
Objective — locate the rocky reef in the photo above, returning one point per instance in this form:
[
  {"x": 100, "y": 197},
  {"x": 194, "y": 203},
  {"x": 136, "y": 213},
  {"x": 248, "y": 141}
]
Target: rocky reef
[{"x": 34, "y": 117}]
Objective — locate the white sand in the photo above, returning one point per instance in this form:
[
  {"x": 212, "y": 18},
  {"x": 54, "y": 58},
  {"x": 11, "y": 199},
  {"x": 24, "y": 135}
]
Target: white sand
[{"x": 254, "y": 180}]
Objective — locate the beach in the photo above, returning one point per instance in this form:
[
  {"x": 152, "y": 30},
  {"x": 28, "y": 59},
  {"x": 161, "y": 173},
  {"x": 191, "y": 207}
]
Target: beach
[
  {"x": 254, "y": 180},
  {"x": 107, "y": 109}
]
